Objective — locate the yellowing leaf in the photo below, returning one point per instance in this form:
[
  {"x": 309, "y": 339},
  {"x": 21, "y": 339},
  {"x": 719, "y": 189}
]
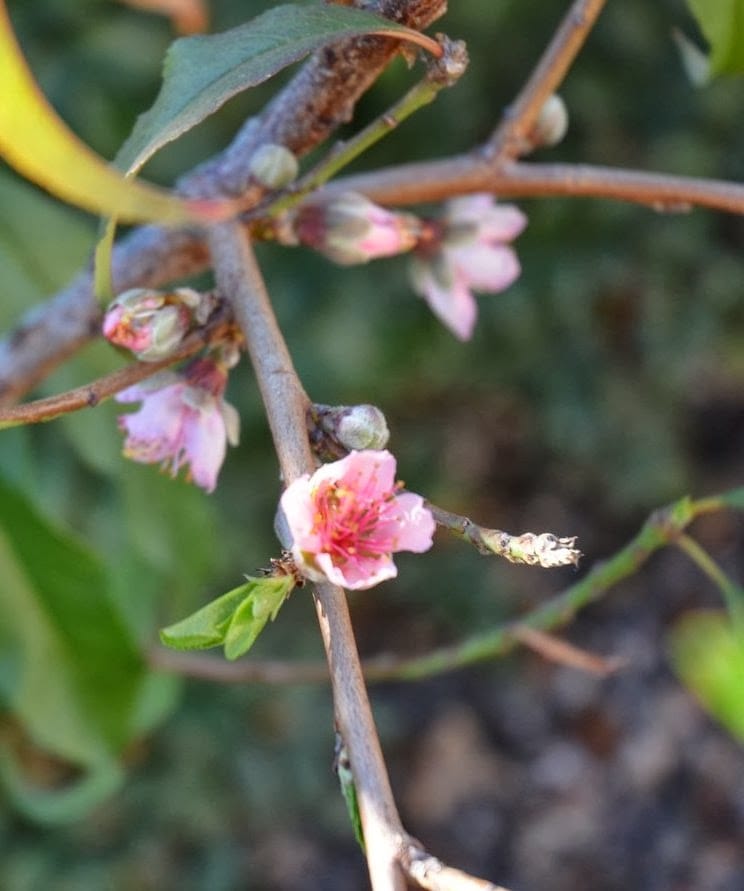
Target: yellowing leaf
[{"x": 40, "y": 146}]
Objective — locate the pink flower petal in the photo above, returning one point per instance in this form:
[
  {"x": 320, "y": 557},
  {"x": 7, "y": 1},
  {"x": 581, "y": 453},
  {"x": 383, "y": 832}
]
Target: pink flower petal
[
  {"x": 358, "y": 575},
  {"x": 487, "y": 268},
  {"x": 455, "y": 306},
  {"x": 204, "y": 445},
  {"x": 297, "y": 503},
  {"x": 416, "y": 527}
]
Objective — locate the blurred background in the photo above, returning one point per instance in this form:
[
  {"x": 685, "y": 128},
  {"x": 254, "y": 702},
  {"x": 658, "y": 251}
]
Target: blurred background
[{"x": 606, "y": 382}]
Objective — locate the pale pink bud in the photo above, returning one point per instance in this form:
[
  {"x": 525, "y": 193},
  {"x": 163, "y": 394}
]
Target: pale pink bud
[
  {"x": 351, "y": 229},
  {"x": 152, "y": 324},
  {"x": 349, "y": 518},
  {"x": 183, "y": 421}
]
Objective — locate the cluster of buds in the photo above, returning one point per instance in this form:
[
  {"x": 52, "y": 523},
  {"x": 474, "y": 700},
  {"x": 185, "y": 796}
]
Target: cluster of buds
[
  {"x": 184, "y": 419},
  {"x": 152, "y": 324},
  {"x": 467, "y": 249}
]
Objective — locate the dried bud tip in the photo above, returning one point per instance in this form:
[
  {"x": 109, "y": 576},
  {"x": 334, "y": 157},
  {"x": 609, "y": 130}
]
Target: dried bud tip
[
  {"x": 448, "y": 69},
  {"x": 551, "y": 124},
  {"x": 274, "y": 166},
  {"x": 545, "y": 549}
]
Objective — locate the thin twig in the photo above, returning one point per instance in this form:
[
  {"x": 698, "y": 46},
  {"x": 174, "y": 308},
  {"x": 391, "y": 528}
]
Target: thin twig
[
  {"x": 560, "y": 651},
  {"x": 90, "y": 395},
  {"x": 239, "y": 278},
  {"x": 662, "y": 528},
  {"x": 429, "y": 181},
  {"x": 509, "y": 140},
  {"x": 431, "y": 874}
]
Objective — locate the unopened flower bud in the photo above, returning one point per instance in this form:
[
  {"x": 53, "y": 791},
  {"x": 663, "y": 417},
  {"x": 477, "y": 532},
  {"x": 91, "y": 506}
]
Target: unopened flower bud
[
  {"x": 153, "y": 323},
  {"x": 351, "y": 229},
  {"x": 551, "y": 124},
  {"x": 274, "y": 166},
  {"x": 339, "y": 429}
]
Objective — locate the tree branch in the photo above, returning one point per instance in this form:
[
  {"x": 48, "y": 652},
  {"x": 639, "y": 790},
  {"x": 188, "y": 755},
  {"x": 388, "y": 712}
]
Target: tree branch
[
  {"x": 286, "y": 403},
  {"x": 663, "y": 527},
  {"x": 510, "y": 137},
  {"x": 320, "y": 97}
]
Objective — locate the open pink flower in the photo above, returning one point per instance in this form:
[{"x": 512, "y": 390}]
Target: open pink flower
[
  {"x": 467, "y": 251},
  {"x": 349, "y": 517},
  {"x": 183, "y": 420}
]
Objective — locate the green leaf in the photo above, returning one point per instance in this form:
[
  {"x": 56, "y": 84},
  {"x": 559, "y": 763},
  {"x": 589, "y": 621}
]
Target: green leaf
[
  {"x": 722, "y": 23},
  {"x": 206, "y": 627},
  {"x": 235, "y": 619},
  {"x": 707, "y": 652},
  {"x": 348, "y": 790},
  {"x": 69, "y": 672},
  {"x": 39, "y": 145},
  {"x": 201, "y": 73},
  {"x": 250, "y": 618}
]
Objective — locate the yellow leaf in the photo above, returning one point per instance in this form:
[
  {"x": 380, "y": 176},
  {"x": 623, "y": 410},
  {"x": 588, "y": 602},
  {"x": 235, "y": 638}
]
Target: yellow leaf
[{"x": 40, "y": 146}]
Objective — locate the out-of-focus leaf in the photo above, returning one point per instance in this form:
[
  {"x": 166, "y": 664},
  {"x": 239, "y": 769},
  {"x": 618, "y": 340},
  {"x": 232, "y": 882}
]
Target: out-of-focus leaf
[
  {"x": 42, "y": 243},
  {"x": 69, "y": 672},
  {"x": 37, "y": 143},
  {"x": 234, "y": 620},
  {"x": 188, "y": 16},
  {"x": 722, "y": 22},
  {"x": 707, "y": 652},
  {"x": 695, "y": 62}
]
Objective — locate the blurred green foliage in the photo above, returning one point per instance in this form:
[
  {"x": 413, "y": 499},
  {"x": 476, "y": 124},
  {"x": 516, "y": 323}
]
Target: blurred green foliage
[{"x": 604, "y": 383}]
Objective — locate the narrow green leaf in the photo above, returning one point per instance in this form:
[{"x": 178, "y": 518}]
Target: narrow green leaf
[
  {"x": 201, "y": 73},
  {"x": 707, "y": 652},
  {"x": 263, "y": 603},
  {"x": 40, "y": 146},
  {"x": 722, "y": 23},
  {"x": 206, "y": 627}
]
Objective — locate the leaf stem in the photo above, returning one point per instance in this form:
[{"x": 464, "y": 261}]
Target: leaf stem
[{"x": 733, "y": 594}]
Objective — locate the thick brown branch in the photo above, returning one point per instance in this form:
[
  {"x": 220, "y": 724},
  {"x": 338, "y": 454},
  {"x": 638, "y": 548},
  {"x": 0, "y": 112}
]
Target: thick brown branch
[
  {"x": 321, "y": 96},
  {"x": 510, "y": 137}
]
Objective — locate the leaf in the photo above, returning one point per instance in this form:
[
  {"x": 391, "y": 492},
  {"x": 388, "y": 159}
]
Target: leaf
[
  {"x": 69, "y": 671},
  {"x": 722, "y": 23},
  {"x": 201, "y": 73},
  {"x": 235, "y": 619},
  {"x": 39, "y": 145},
  {"x": 707, "y": 652},
  {"x": 206, "y": 627},
  {"x": 250, "y": 618}
]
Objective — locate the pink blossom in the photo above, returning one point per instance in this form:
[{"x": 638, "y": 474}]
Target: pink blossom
[
  {"x": 183, "y": 420},
  {"x": 351, "y": 229},
  {"x": 467, "y": 251},
  {"x": 349, "y": 517}
]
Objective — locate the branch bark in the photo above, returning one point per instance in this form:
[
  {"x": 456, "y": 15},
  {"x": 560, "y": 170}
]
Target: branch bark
[
  {"x": 286, "y": 405},
  {"x": 320, "y": 97}
]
